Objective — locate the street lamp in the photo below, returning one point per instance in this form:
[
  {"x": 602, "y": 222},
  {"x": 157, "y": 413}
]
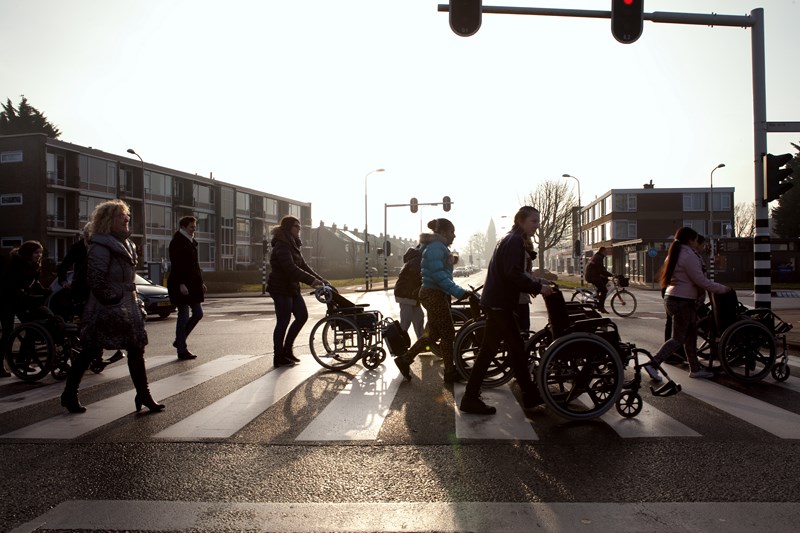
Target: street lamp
[
  {"x": 580, "y": 226},
  {"x": 711, "y": 222},
  {"x": 366, "y": 235},
  {"x": 144, "y": 207}
]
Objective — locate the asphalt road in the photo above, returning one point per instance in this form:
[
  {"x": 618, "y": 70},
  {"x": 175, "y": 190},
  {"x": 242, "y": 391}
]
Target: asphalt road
[{"x": 243, "y": 446}]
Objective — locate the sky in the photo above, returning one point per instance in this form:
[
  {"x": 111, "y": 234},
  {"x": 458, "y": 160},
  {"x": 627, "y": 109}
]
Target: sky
[{"x": 306, "y": 99}]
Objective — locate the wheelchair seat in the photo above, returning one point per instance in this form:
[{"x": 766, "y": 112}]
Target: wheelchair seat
[{"x": 563, "y": 322}]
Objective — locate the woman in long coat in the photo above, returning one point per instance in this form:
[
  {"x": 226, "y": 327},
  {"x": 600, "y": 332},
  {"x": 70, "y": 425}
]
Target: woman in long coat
[{"x": 113, "y": 317}]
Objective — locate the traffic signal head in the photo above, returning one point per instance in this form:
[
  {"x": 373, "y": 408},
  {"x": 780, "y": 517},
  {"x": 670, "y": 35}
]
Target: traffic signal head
[
  {"x": 626, "y": 20},
  {"x": 446, "y": 203},
  {"x": 414, "y": 205},
  {"x": 776, "y": 179},
  {"x": 465, "y": 16}
]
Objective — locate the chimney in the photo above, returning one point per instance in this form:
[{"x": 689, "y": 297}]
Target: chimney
[{"x": 649, "y": 185}]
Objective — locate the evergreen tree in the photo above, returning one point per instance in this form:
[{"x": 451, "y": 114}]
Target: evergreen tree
[{"x": 25, "y": 119}]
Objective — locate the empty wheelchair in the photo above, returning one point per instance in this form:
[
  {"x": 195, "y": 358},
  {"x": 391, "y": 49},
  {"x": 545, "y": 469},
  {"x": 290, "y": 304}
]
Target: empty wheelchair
[
  {"x": 742, "y": 340},
  {"x": 349, "y": 333}
]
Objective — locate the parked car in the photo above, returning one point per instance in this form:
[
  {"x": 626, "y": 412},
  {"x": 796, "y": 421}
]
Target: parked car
[
  {"x": 460, "y": 272},
  {"x": 155, "y": 297}
]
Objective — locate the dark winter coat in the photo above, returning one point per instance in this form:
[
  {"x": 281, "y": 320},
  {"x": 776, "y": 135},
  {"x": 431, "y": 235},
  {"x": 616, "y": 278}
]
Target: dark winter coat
[
  {"x": 288, "y": 266},
  {"x": 595, "y": 271},
  {"x": 21, "y": 290},
  {"x": 506, "y": 277},
  {"x": 113, "y": 317},
  {"x": 410, "y": 279},
  {"x": 184, "y": 269},
  {"x": 76, "y": 259}
]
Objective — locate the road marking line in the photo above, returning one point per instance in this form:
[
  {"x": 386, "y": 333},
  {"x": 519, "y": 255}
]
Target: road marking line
[
  {"x": 44, "y": 393},
  {"x": 779, "y": 422},
  {"x": 509, "y": 423},
  {"x": 650, "y": 422},
  {"x": 359, "y": 410},
  {"x": 70, "y": 426},
  {"x": 228, "y": 415}
]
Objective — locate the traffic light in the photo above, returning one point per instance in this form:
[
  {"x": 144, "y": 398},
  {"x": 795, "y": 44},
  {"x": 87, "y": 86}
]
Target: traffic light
[
  {"x": 576, "y": 251},
  {"x": 776, "y": 179},
  {"x": 626, "y": 20},
  {"x": 414, "y": 205},
  {"x": 387, "y": 246},
  {"x": 446, "y": 203},
  {"x": 465, "y": 16}
]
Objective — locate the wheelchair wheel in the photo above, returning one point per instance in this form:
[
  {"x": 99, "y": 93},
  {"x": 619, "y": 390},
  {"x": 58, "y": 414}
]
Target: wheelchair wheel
[
  {"x": 465, "y": 351},
  {"x": 30, "y": 352},
  {"x": 623, "y": 303},
  {"x": 747, "y": 351},
  {"x": 336, "y": 342},
  {"x": 780, "y": 372},
  {"x": 580, "y": 376},
  {"x": 535, "y": 347},
  {"x": 629, "y": 404},
  {"x": 374, "y": 357}
]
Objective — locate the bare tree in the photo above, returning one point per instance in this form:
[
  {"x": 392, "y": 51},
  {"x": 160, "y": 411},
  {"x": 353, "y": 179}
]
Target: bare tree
[
  {"x": 476, "y": 247},
  {"x": 555, "y": 202},
  {"x": 744, "y": 220}
]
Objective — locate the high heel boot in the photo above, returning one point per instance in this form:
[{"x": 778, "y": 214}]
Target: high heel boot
[
  {"x": 69, "y": 398},
  {"x": 71, "y": 402},
  {"x": 138, "y": 372}
]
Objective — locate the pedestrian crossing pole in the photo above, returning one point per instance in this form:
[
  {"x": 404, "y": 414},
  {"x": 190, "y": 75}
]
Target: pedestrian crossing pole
[{"x": 265, "y": 249}]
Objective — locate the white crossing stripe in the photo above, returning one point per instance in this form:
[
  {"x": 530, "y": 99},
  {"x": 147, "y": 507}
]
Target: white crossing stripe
[
  {"x": 225, "y": 320},
  {"x": 650, "y": 422},
  {"x": 509, "y": 423},
  {"x": 358, "y": 411},
  {"x": 44, "y": 393},
  {"x": 70, "y": 426},
  {"x": 772, "y": 419},
  {"x": 228, "y": 415},
  {"x": 510, "y": 517}
]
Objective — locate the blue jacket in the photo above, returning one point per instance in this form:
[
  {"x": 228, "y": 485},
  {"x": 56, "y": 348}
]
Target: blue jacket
[
  {"x": 437, "y": 265},
  {"x": 506, "y": 277}
]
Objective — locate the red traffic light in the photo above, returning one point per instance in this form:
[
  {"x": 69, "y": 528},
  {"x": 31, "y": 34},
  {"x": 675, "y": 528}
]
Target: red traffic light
[{"x": 626, "y": 20}]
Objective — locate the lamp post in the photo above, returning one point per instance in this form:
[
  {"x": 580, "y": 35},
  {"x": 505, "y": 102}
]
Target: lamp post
[
  {"x": 144, "y": 208},
  {"x": 366, "y": 234},
  {"x": 580, "y": 225},
  {"x": 711, "y": 222}
]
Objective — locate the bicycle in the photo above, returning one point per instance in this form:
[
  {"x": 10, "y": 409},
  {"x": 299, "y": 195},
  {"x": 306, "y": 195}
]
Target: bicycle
[{"x": 623, "y": 302}]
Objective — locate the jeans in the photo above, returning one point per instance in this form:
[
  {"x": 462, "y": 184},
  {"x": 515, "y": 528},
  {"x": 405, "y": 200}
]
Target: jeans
[
  {"x": 285, "y": 307},
  {"x": 412, "y": 315},
  {"x": 684, "y": 331},
  {"x": 185, "y": 324}
]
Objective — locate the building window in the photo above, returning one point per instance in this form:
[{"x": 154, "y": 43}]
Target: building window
[
  {"x": 97, "y": 174},
  {"x": 14, "y": 156},
  {"x": 202, "y": 195},
  {"x": 242, "y": 230},
  {"x": 608, "y": 205},
  {"x": 10, "y": 242},
  {"x": 699, "y": 225},
  {"x": 86, "y": 207},
  {"x": 56, "y": 210},
  {"x": 242, "y": 203},
  {"x": 270, "y": 206},
  {"x": 625, "y": 202},
  {"x": 694, "y": 201},
  {"x": 624, "y": 229},
  {"x": 294, "y": 210},
  {"x": 10, "y": 199},
  {"x": 158, "y": 186},
  {"x": 722, "y": 201},
  {"x": 243, "y": 256}
]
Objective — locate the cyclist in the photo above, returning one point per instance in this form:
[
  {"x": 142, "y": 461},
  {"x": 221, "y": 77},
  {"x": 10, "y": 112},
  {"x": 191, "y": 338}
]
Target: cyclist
[{"x": 597, "y": 275}]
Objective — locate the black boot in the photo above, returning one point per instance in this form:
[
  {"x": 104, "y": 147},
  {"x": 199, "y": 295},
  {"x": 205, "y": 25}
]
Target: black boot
[
  {"x": 69, "y": 398},
  {"x": 71, "y": 402},
  {"x": 288, "y": 353},
  {"x": 138, "y": 372}
]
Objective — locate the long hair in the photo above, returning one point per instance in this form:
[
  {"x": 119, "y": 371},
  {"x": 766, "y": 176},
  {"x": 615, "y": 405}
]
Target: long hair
[
  {"x": 682, "y": 238},
  {"x": 524, "y": 212},
  {"x": 103, "y": 216}
]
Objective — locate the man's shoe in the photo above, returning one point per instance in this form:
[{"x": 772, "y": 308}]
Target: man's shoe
[
  {"x": 404, "y": 365},
  {"x": 705, "y": 374},
  {"x": 652, "y": 371},
  {"x": 279, "y": 360},
  {"x": 288, "y": 354},
  {"x": 186, "y": 355},
  {"x": 476, "y": 406}
]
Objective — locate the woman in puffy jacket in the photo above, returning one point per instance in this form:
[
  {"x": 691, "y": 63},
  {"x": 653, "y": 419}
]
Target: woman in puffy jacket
[
  {"x": 289, "y": 269},
  {"x": 684, "y": 282},
  {"x": 434, "y": 295},
  {"x": 113, "y": 318}
]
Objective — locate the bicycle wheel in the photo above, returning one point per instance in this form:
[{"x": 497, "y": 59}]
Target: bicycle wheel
[
  {"x": 466, "y": 348},
  {"x": 623, "y": 303},
  {"x": 584, "y": 296},
  {"x": 580, "y": 376},
  {"x": 336, "y": 342},
  {"x": 30, "y": 352}
]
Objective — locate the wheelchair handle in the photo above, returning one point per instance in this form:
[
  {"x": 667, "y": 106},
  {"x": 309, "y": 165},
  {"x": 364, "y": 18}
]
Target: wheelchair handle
[{"x": 324, "y": 294}]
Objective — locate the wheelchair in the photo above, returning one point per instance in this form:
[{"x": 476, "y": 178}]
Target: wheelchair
[
  {"x": 742, "y": 340},
  {"x": 577, "y": 362},
  {"x": 349, "y": 333}
]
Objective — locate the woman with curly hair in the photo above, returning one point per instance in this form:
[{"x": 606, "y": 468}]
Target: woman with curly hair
[{"x": 113, "y": 318}]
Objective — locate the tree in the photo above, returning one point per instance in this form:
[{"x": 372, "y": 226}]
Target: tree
[
  {"x": 744, "y": 219},
  {"x": 476, "y": 247},
  {"x": 786, "y": 216},
  {"x": 555, "y": 203},
  {"x": 25, "y": 119}
]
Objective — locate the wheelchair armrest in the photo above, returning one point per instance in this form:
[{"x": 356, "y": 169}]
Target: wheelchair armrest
[{"x": 591, "y": 325}]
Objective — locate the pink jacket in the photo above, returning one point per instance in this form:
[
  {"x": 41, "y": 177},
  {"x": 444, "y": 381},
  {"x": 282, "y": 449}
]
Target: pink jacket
[{"x": 688, "y": 279}]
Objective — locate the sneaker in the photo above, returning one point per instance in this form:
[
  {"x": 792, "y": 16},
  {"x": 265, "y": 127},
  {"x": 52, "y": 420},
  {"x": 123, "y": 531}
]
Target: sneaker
[
  {"x": 652, "y": 371},
  {"x": 404, "y": 365},
  {"x": 701, "y": 374},
  {"x": 476, "y": 406}
]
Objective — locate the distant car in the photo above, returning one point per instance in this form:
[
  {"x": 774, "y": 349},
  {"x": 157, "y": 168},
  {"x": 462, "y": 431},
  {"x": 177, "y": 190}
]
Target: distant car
[
  {"x": 460, "y": 272},
  {"x": 155, "y": 297}
]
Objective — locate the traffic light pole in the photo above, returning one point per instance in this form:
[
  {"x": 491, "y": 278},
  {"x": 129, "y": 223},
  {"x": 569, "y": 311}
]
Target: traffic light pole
[{"x": 762, "y": 268}]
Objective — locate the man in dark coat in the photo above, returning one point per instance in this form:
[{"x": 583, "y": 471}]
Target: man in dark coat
[
  {"x": 597, "y": 275},
  {"x": 185, "y": 283}
]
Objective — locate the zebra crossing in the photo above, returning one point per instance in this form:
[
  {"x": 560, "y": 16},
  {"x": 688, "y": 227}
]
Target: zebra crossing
[{"x": 358, "y": 411}]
